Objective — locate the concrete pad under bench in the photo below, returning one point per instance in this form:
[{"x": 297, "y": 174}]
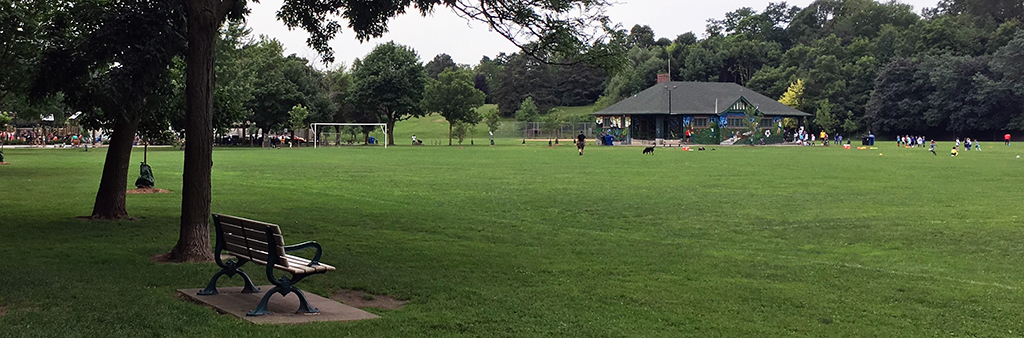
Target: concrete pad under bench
[{"x": 232, "y": 300}]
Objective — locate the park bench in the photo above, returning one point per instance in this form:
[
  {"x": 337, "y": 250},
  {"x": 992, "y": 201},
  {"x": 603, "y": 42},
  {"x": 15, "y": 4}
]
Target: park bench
[{"x": 262, "y": 243}]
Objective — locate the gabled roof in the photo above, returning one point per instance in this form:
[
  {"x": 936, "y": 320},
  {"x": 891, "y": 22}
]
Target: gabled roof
[{"x": 696, "y": 98}]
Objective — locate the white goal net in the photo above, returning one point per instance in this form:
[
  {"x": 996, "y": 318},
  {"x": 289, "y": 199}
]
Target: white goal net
[{"x": 327, "y": 133}]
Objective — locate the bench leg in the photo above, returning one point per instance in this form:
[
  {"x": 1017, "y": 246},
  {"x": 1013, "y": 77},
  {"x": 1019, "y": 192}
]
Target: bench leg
[
  {"x": 211, "y": 289},
  {"x": 262, "y": 309},
  {"x": 304, "y": 306},
  {"x": 249, "y": 286}
]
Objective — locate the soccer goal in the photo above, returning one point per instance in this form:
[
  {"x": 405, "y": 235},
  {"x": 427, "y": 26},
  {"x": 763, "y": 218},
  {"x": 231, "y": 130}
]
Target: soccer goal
[{"x": 316, "y": 126}]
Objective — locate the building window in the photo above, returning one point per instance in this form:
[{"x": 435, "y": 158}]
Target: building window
[
  {"x": 700, "y": 122},
  {"x": 736, "y": 122},
  {"x": 766, "y": 123}
]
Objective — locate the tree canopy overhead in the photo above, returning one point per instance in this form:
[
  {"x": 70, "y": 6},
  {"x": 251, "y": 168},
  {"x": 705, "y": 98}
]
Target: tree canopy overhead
[{"x": 577, "y": 29}]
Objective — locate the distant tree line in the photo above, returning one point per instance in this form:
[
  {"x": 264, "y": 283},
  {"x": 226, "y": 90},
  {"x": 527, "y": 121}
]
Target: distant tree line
[
  {"x": 868, "y": 65},
  {"x": 860, "y": 65}
]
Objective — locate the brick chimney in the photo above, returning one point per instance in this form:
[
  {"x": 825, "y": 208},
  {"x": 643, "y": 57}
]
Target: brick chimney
[{"x": 664, "y": 77}]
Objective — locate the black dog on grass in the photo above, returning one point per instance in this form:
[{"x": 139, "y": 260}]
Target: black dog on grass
[{"x": 649, "y": 150}]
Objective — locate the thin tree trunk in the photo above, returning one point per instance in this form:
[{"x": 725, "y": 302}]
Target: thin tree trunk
[
  {"x": 391, "y": 126},
  {"x": 110, "y": 198},
  {"x": 391, "y": 132},
  {"x": 193, "y": 245},
  {"x": 449, "y": 133}
]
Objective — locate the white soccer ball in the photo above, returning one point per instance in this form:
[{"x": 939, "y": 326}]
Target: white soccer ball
[{"x": 1018, "y": 156}]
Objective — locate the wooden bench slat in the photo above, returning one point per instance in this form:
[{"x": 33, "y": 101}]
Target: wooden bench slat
[
  {"x": 296, "y": 262},
  {"x": 299, "y": 261},
  {"x": 242, "y": 242},
  {"x": 301, "y": 269},
  {"x": 242, "y": 251},
  {"x": 248, "y": 223},
  {"x": 246, "y": 238},
  {"x": 260, "y": 235}
]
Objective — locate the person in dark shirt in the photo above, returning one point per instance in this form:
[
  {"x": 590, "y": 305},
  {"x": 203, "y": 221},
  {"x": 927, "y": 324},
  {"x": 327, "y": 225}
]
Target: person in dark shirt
[{"x": 581, "y": 140}]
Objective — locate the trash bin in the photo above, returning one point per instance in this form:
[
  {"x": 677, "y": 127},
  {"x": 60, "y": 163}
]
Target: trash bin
[
  {"x": 864, "y": 141},
  {"x": 871, "y": 139},
  {"x": 608, "y": 140},
  {"x": 373, "y": 140}
]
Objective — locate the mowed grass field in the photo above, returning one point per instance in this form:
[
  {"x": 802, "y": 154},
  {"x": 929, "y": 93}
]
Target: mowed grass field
[
  {"x": 523, "y": 241},
  {"x": 433, "y": 129}
]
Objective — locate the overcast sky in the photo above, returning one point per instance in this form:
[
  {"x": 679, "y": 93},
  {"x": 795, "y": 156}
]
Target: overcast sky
[{"x": 466, "y": 42}]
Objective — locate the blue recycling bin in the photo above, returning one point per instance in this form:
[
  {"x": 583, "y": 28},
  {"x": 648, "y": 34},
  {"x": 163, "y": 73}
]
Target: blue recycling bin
[
  {"x": 608, "y": 140},
  {"x": 871, "y": 139},
  {"x": 373, "y": 140}
]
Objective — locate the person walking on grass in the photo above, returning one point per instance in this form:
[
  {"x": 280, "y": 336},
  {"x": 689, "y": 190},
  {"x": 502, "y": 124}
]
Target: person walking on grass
[
  {"x": 1006, "y": 139},
  {"x": 932, "y": 148},
  {"x": 581, "y": 141}
]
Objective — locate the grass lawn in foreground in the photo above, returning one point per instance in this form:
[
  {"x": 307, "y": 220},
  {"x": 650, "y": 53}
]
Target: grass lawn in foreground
[{"x": 536, "y": 241}]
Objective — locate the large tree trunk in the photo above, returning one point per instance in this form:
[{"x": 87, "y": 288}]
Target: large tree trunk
[
  {"x": 110, "y": 198},
  {"x": 204, "y": 16}
]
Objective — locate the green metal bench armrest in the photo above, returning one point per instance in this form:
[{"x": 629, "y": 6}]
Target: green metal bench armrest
[{"x": 306, "y": 245}]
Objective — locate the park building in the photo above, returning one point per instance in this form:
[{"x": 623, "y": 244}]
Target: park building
[{"x": 713, "y": 112}]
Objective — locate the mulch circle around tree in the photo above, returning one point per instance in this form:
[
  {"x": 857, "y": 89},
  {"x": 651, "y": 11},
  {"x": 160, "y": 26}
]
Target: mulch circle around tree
[
  {"x": 147, "y": 191},
  {"x": 362, "y": 300}
]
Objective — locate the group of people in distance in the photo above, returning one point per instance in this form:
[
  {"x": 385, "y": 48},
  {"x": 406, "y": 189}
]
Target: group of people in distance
[
  {"x": 910, "y": 141},
  {"x": 805, "y": 138},
  {"x": 968, "y": 143}
]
